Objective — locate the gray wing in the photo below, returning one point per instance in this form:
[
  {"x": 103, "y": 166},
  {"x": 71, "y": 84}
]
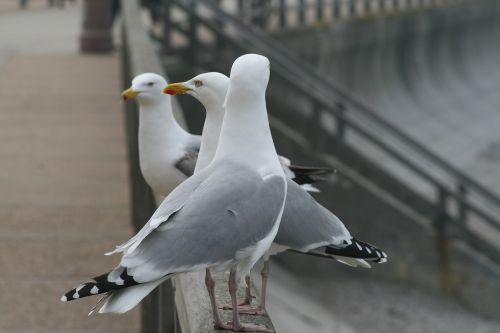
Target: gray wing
[
  {"x": 187, "y": 163},
  {"x": 224, "y": 216},
  {"x": 306, "y": 224},
  {"x": 168, "y": 207}
]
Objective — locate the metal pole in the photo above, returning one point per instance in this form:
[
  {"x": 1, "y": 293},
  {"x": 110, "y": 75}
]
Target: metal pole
[
  {"x": 319, "y": 9},
  {"x": 319, "y": 138},
  {"x": 302, "y": 12},
  {"x": 282, "y": 13},
  {"x": 192, "y": 35},
  {"x": 97, "y": 21},
  {"x": 167, "y": 26},
  {"x": 336, "y": 9},
  {"x": 462, "y": 209},
  {"x": 352, "y": 8},
  {"x": 341, "y": 126}
]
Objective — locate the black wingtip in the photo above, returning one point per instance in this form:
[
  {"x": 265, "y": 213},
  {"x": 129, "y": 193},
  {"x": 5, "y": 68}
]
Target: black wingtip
[
  {"x": 310, "y": 175},
  {"x": 359, "y": 250},
  {"x": 84, "y": 290},
  {"x": 100, "y": 285}
]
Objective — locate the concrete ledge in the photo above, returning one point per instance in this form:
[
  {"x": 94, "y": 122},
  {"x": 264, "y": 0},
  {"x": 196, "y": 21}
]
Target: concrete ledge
[{"x": 190, "y": 293}]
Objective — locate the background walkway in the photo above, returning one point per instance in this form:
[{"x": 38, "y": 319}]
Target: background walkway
[{"x": 64, "y": 196}]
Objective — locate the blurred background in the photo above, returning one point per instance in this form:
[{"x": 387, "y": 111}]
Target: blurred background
[{"x": 399, "y": 96}]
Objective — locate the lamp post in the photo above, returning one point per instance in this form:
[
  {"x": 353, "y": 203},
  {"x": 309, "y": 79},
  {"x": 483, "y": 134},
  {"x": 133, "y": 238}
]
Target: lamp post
[{"x": 96, "y": 30}]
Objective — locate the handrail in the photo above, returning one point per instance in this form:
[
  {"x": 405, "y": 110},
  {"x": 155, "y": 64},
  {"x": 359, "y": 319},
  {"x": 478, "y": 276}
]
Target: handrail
[
  {"x": 319, "y": 89},
  {"x": 306, "y": 69},
  {"x": 340, "y": 10},
  {"x": 332, "y": 86}
]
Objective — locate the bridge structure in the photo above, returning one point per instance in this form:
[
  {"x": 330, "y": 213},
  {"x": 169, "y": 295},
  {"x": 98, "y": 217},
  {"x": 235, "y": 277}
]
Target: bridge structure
[{"x": 351, "y": 83}]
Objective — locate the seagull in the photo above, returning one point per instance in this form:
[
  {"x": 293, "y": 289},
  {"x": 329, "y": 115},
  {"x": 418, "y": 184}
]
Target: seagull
[
  {"x": 306, "y": 226},
  {"x": 168, "y": 154},
  {"x": 224, "y": 217}
]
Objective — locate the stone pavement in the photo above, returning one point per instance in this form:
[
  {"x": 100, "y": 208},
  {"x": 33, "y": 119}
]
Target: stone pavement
[
  {"x": 38, "y": 29},
  {"x": 64, "y": 195},
  {"x": 351, "y": 302}
]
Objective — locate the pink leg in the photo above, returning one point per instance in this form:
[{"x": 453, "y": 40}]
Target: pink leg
[
  {"x": 210, "y": 283},
  {"x": 246, "y": 302},
  {"x": 237, "y": 326},
  {"x": 265, "y": 274},
  {"x": 248, "y": 292},
  {"x": 261, "y": 309}
]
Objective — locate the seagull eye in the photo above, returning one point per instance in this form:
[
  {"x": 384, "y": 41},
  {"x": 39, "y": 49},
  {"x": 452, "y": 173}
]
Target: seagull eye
[
  {"x": 198, "y": 83},
  {"x": 151, "y": 84}
]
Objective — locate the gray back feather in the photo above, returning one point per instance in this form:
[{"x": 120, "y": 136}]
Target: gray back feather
[
  {"x": 305, "y": 222},
  {"x": 232, "y": 209},
  {"x": 187, "y": 163}
]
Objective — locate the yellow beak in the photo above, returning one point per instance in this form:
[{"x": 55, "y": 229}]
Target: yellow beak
[
  {"x": 129, "y": 94},
  {"x": 176, "y": 88}
]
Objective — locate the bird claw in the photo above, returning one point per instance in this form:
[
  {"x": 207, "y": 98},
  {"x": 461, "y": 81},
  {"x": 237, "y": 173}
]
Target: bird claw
[
  {"x": 245, "y": 302},
  {"x": 249, "y": 328},
  {"x": 258, "y": 311},
  {"x": 223, "y": 327}
]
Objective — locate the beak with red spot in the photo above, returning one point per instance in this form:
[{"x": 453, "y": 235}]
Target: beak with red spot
[
  {"x": 129, "y": 94},
  {"x": 176, "y": 88}
]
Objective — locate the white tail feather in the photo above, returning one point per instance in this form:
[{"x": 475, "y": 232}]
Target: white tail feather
[
  {"x": 353, "y": 262},
  {"x": 123, "y": 300},
  {"x": 310, "y": 188}
]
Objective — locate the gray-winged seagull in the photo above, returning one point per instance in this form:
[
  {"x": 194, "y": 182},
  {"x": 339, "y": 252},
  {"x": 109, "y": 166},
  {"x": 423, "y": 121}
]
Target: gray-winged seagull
[
  {"x": 224, "y": 217},
  {"x": 306, "y": 225}
]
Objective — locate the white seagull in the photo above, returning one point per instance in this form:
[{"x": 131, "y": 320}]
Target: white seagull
[
  {"x": 168, "y": 153},
  {"x": 306, "y": 226},
  {"x": 224, "y": 217}
]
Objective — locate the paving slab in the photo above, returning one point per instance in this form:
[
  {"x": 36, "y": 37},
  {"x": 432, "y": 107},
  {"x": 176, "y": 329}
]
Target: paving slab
[{"x": 64, "y": 189}]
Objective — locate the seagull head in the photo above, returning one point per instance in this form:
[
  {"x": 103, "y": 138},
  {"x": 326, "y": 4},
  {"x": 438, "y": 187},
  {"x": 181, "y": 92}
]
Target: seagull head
[
  {"x": 145, "y": 87},
  {"x": 208, "y": 88},
  {"x": 248, "y": 80}
]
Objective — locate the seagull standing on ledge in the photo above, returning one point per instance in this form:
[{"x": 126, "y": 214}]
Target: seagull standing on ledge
[
  {"x": 224, "y": 217},
  {"x": 306, "y": 226}
]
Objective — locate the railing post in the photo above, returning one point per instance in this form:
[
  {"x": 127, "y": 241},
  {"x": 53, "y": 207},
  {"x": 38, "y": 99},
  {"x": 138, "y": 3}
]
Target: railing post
[
  {"x": 352, "y": 8},
  {"x": 462, "y": 207},
  {"x": 283, "y": 13},
  {"x": 442, "y": 242},
  {"x": 192, "y": 34},
  {"x": 259, "y": 12},
  {"x": 219, "y": 40},
  {"x": 395, "y": 5},
  {"x": 319, "y": 137},
  {"x": 341, "y": 125},
  {"x": 241, "y": 9},
  {"x": 441, "y": 209},
  {"x": 336, "y": 9},
  {"x": 368, "y": 7},
  {"x": 302, "y": 12},
  {"x": 382, "y": 6},
  {"x": 319, "y": 10},
  {"x": 167, "y": 27}
]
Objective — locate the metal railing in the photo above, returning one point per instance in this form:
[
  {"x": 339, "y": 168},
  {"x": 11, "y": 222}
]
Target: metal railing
[
  {"x": 451, "y": 187},
  {"x": 286, "y": 14}
]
